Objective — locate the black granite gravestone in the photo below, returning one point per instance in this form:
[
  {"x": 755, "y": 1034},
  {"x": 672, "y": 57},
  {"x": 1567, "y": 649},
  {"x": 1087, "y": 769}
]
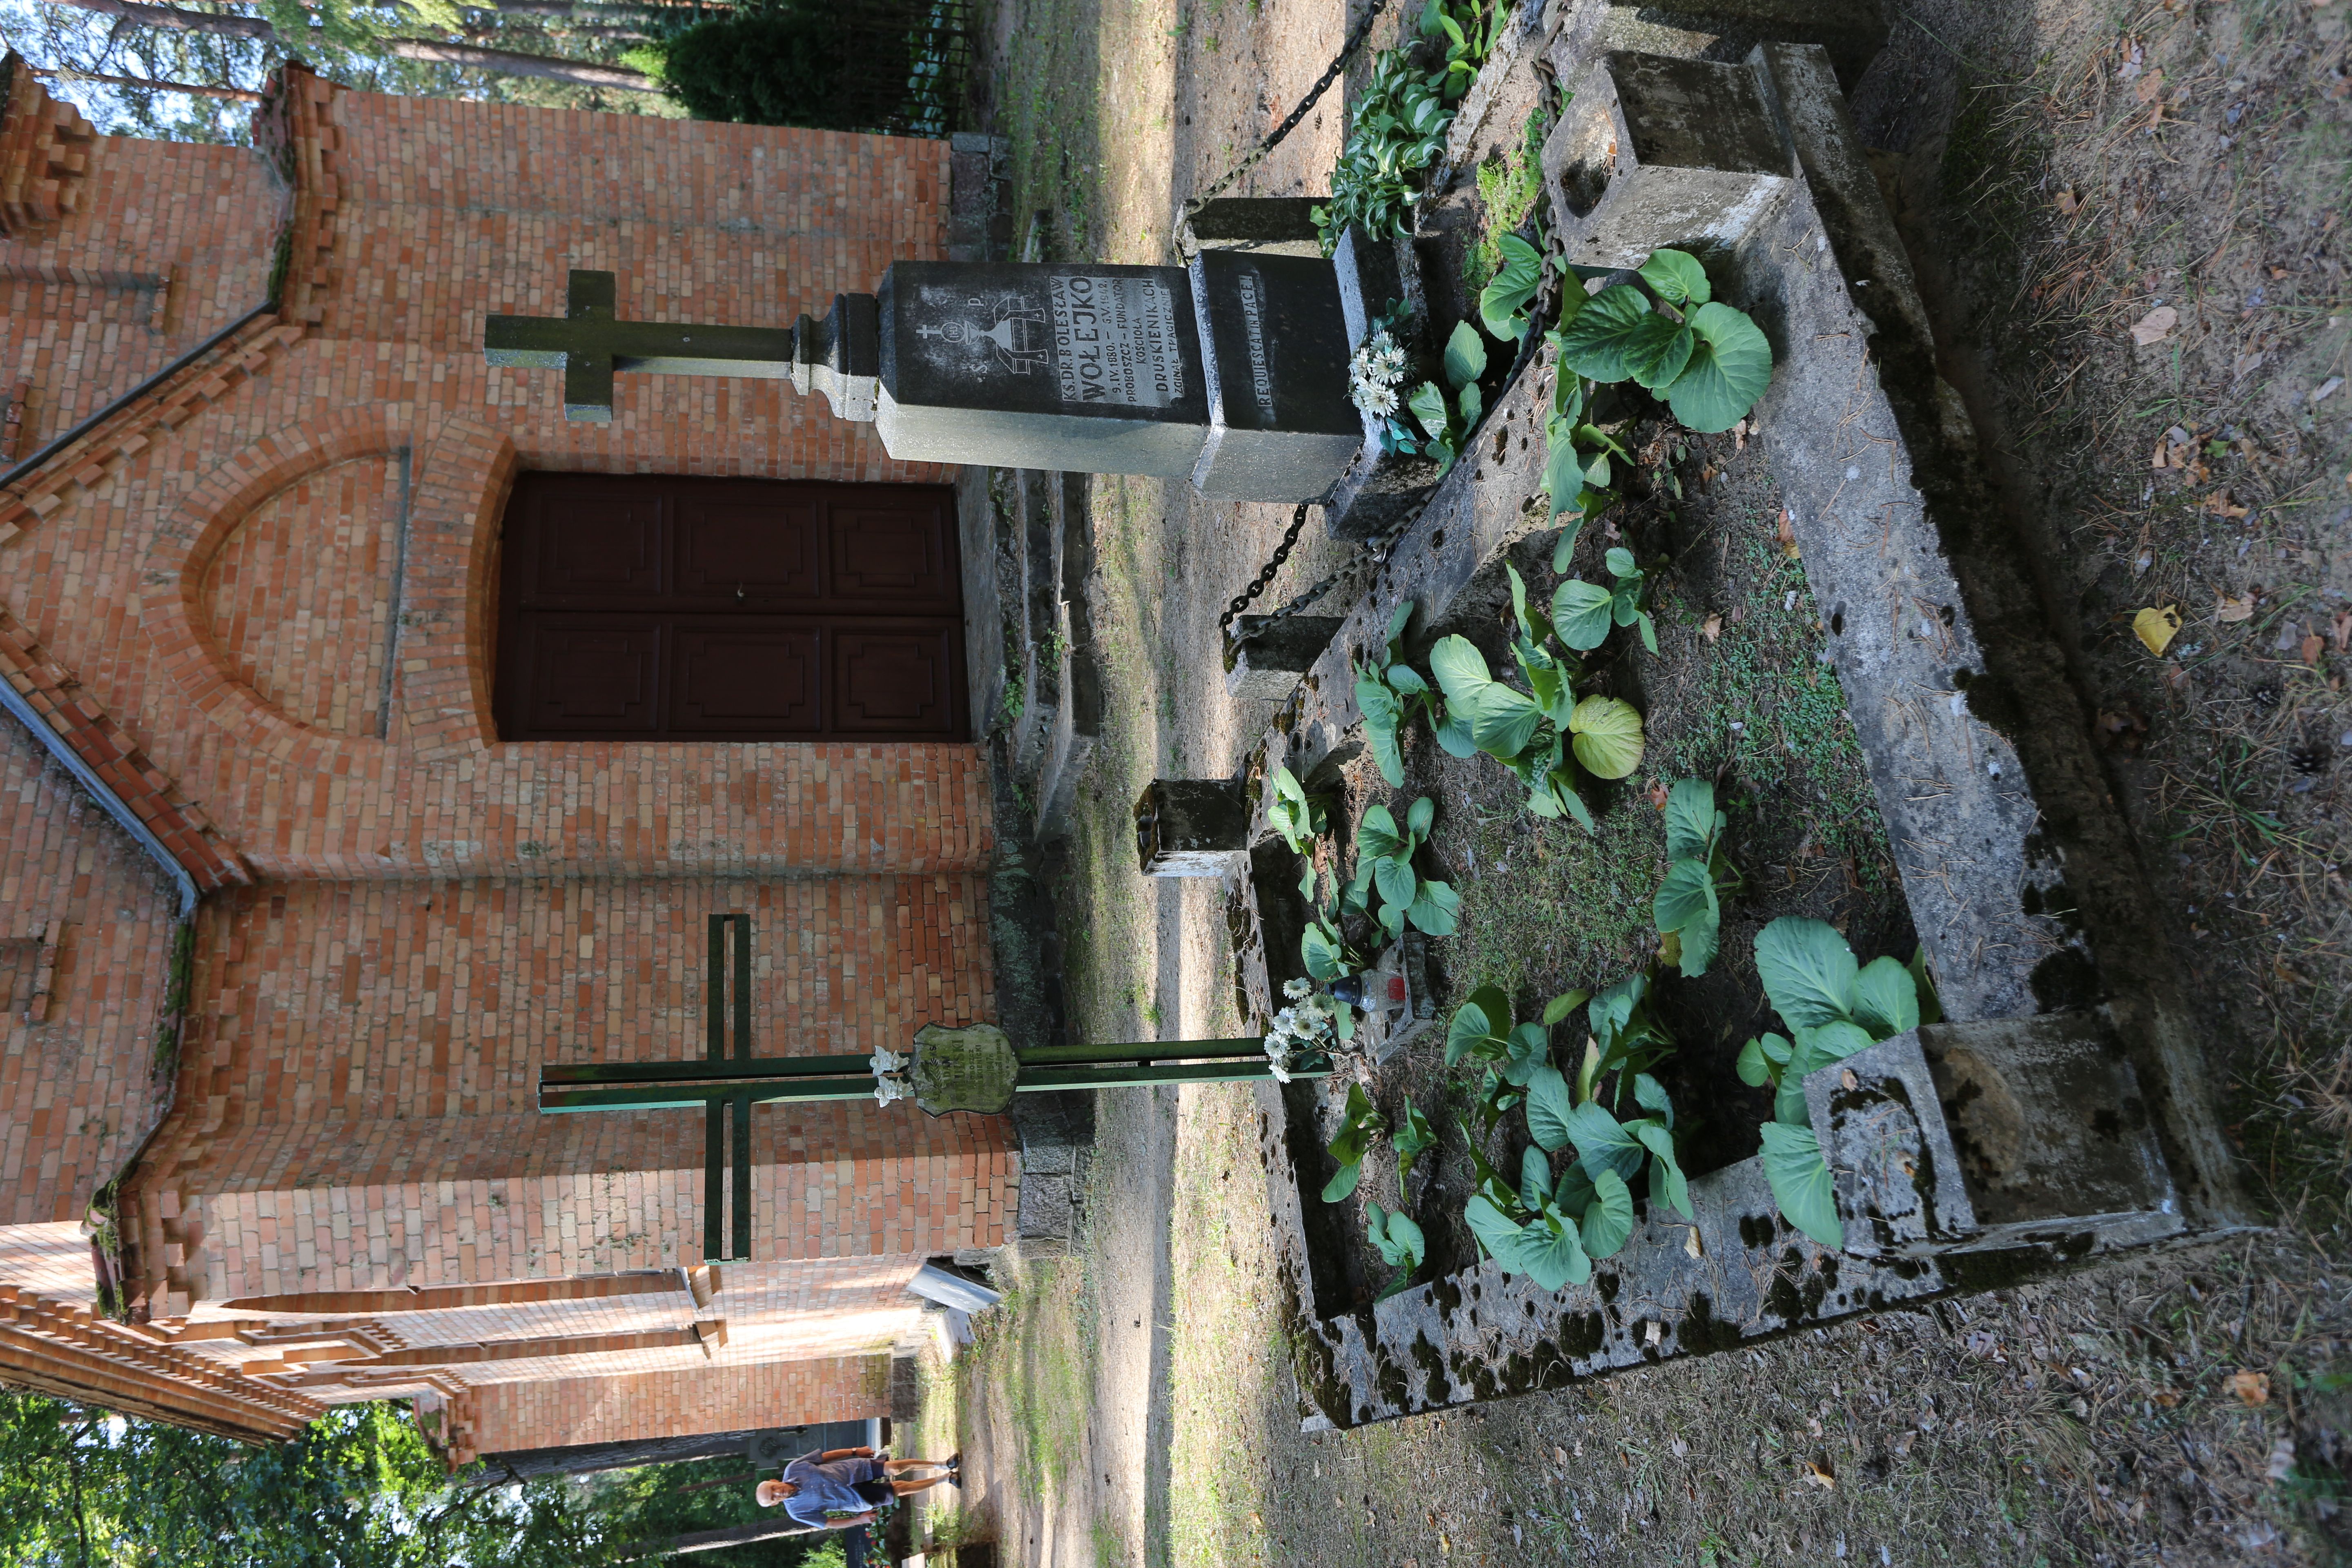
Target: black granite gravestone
[{"x": 1234, "y": 375}]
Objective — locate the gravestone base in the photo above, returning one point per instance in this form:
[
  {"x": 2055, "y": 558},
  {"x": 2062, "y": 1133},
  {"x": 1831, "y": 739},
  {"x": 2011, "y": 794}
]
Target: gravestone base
[{"x": 1265, "y": 655}]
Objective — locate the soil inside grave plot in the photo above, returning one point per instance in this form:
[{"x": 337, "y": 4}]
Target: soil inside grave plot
[{"x": 1739, "y": 693}]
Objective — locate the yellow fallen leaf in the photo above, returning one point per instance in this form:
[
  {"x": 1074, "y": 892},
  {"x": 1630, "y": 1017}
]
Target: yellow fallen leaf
[
  {"x": 2251, "y": 1387},
  {"x": 2312, "y": 648},
  {"x": 2158, "y": 627},
  {"x": 1711, "y": 627},
  {"x": 2238, "y": 609},
  {"x": 2156, "y": 326},
  {"x": 1691, "y": 1242},
  {"x": 1820, "y": 1476}
]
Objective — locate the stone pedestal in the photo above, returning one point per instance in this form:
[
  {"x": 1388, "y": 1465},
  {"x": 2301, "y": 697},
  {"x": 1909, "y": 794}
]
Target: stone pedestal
[
  {"x": 1654, "y": 151},
  {"x": 1281, "y": 426},
  {"x": 1192, "y": 828},
  {"x": 1270, "y": 225},
  {"x": 1265, "y": 655}
]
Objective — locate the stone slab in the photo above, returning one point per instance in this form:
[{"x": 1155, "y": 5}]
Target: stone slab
[{"x": 1281, "y": 426}]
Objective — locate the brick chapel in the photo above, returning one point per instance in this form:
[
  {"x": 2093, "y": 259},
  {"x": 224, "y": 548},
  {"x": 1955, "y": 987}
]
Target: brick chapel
[{"x": 375, "y": 736}]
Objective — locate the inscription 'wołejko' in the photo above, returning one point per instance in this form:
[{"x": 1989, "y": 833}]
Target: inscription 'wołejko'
[{"x": 1072, "y": 367}]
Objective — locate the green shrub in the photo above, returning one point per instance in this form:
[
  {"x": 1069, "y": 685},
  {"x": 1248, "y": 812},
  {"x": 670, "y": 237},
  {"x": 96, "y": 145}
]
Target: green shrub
[{"x": 785, "y": 65}]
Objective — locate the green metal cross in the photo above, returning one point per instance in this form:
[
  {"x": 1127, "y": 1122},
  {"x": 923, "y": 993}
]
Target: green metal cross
[
  {"x": 588, "y": 342},
  {"x": 738, "y": 1079}
]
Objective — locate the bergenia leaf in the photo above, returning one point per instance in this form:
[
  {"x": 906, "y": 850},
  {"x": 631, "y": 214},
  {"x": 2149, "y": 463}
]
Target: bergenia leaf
[
  {"x": 1887, "y": 999},
  {"x": 1551, "y": 1253},
  {"x": 1427, "y": 403},
  {"x": 1376, "y": 835},
  {"x": 1435, "y": 909},
  {"x": 1801, "y": 1183},
  {"x": 1466, "y": 356},
  {"x": 1677, "y": 277},
  {"x": 1478, "y": 1026},
  {"x": 1657, "y": 352},
  {"x": 1581, "y": 613},
  {"x": 1595, "y": 344},
  {"x": 1530, "y": 1049},
  {"x": 1397, "y": 884},
  {"x": 1602, "y": 1143},
  {"x": 1417, "y": 818},
  {"x": 1459, "y": 668},
  {"x": 1667, "y": 1184},
  {"x": 1341, "y": 1186},
  {"x": 1535, "y": 1176},
  {"x": 1699, "y": 938},
  {"x": 1690, "y": 819},
  {"x": 1608, "y": 1218},
  {"x": 1607, "y": 737},
  {"x": 1497, "y": 1232},
  {"x": 1561, "y": 1006},
  {"x": 1726, "y": 372},
  {"x": 1807, "y": 969},
  {"x": 1686, "y": 893},
  {"x": 1551, "y": 1110},
  {"x": 1503, "y": 721}
]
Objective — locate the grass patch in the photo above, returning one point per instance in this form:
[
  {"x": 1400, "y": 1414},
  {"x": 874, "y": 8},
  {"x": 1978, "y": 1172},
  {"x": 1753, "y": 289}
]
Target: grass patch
[
  {"x": 1035, "y": 1356},
  {"x": 1510, "y": 184}
]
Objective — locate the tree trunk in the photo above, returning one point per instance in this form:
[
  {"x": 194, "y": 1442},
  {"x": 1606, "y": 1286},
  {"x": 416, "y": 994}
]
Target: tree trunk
[
  {"x": 508, "y": 62},
  {"x": 200, "y": 89}
]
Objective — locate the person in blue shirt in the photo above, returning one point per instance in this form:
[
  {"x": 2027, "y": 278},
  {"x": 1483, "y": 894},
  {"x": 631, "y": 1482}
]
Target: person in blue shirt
[{"x": 842, "y": 1488}]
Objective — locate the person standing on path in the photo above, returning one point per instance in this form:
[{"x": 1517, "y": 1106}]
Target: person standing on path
[{"x": 842, "y": 1488}]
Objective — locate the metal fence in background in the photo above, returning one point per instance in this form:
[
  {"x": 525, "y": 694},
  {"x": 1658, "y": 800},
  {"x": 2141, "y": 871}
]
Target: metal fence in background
[{"x": 905, "y": 67}]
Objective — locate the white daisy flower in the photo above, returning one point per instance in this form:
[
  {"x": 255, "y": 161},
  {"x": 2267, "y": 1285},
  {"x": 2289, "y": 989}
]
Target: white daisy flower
[{"x": 1298, "y": 990}]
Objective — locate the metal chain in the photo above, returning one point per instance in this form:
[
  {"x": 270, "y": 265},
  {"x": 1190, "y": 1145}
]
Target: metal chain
[
  {"x": 1331, "y": 74},
  {"x": 1242, "y": 600}
]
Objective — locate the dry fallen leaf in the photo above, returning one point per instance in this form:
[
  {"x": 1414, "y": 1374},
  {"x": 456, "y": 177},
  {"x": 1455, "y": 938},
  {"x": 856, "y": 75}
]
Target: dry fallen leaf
[
  {"x": 2233, "y": 610},
  {"x": 2157, "y": 627},
  {"x": 1691, "y": 1242},
  {"x": 2149, "y": 86},
  {"x": 2167, "y": 1399},
  {"x": 2124, "y": 732},
  {"x": 2068, "y": 203},
  {"x": 2312, "y": 647},
  {"x": 1820, "y": 1475},
  {"x": 2251, "y": 1387},
  {"x": 2342, "y": 630},
  {"x": 2156, "y": 326},
  {"x": 1787, "y": 533},
  {"x": 1658, "y": 794},
  {"x": 2220, "y": 503},
  {"x": 1711, "y": 627}
]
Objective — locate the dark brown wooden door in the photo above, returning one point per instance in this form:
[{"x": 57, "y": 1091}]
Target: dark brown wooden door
[{"x": 642, "y": 607}]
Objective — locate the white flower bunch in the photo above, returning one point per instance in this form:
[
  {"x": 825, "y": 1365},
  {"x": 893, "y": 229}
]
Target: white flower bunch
[
  {"x": 887, "y": 1061},
  {"x": 886, "y": 1089},
  {"x": 1301, "y": 1029},
  {"x": 1373, "y": 374},
  {"x": 886, "y": 1065}
]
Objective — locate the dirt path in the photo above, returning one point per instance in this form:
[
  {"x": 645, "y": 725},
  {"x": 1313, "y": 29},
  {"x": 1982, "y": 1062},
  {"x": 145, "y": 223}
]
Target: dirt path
[{"x": 1134, "y": 1403}]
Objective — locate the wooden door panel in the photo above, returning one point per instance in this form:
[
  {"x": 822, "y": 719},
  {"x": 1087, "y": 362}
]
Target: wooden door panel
[
  {"x": 748, "y": 553},
  {"x": 595, "y": 676},
  {"x": 751, "y": 679},
  {"x": 896, "y": 682},
  {"x": 650, "y": 606},
  {"x": 897, "y": 556},
  {"x": 596, "y": 549}
]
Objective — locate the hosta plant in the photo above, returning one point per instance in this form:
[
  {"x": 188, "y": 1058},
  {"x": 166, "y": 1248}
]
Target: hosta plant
[
  {"x": 1707, "y": 361},
  {"x": 1397, "y": 128},
  {"x": 1398, "y": 1241},
  {"x": 1446, "y": 413},
  {"x": 1504, "y": 303},
  {"x": 1833, "y": 1007},
  {"x": 1544, "y": 738},
  {"x": 1387, "y": 692},
  {"x": 1360, "y": 1122},
  {"x": 1299, "y": 817},
  {"x": 1688, "y": 908},
  {"x": 1551, "y": 1224}
]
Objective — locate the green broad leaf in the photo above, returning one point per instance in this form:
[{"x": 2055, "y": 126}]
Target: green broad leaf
[
  {"x": 1596, "y": 343},
  {"x": 1564, "y": 472},
  {"x": 1651, "y": 1096},
  {"x": 1886, "y": 998},
  {"x": 1690, "y": 819},
  {"x": 1603, "y": 1143},
  {"x": 1341, "y": 1186},
  {"x": 1437, "y": 908},
  {"x": 1503, "y": 721},
  {"x": 1807, "y": 969},
  {"x": 1427, "y": 404},
  {"x": 1397, "y": 884},
  {"x": 1398, "y": 620},
  {"x": 1571, "y": 1188},
  {"x": 1496, "y": 1231},
  {"x": 1759, "y": 1060},
  {"x": 1551, "y": 1110},
  {"x": 1360, "y": 1124},
  {"x": 1931, "y": 1006},
  {"x": 1699, "y": 939},
  {"x": 1460, "y": 668},
  {"x": 1686, "y": 894},
  {"x": 1518, "y": 599},
  {"x": 1657, "y": 352},
  {"x": 1801, "y": 1183},
  {"x": 1405, "y": 681},
  {"x": 1454, "y": 737},
  {"x": 1612, "y": 1009},
  {"x": 1503, "y": 303},
  {"x": 1376, "y": 835},
  {"x": 1551, "y": 1253},
  {"x": 1563, "y": 548},
  {"x": 1579, "y": 610},
  {"x": 1535, "y": 1176},
  {"x": 1406, "y": 1245},
  {"x": 1398, "y": 1286},
  {"x": 1563, "y": 791},
  {"x": 1466, "y": 356},
  {"x": 1649, "y": 631},
  {"x": 1471, "y": 402},
  {"x": 1478, "y": 1026},
  {"x": 1414, "y": 1138},
  {"x": 1561, "y": 1006},
  {"x": 1608, "y": 1218},
  {"x": 1596, "y": 470},
  {"x": 1667, "y": 1182},
  {"x": 1545, "y": 682},
  {"x": 1530, "y": 1048},
  {"x": 1607, "y": 737},
  {"x": 1813, "y": 1049},
  {"x": 1391, "y": 919},
  {"x": 1677, "y": 277},
  {"x": 1729, "y": 371},
  {"x": 1318, "y": 945},
  {"x": 1418, "y": 816},
  {"x": 1306, "y": 885}
]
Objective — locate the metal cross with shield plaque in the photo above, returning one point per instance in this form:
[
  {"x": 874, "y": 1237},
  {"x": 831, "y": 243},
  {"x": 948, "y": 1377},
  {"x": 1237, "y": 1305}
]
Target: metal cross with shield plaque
[{"x": 973, "y": 1069}]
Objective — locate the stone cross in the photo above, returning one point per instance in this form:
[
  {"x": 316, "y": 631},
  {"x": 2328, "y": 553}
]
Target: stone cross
[
  {"x": 974, "y": 1069},
  {"x": 1232, "y": 372}
]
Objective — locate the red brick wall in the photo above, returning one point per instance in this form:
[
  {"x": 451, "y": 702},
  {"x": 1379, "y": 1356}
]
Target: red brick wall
[
  {"x": 360, "y": 1082},
  {"x": 632, "y": 1407},
  {"x": 76, "y": 1090}
]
